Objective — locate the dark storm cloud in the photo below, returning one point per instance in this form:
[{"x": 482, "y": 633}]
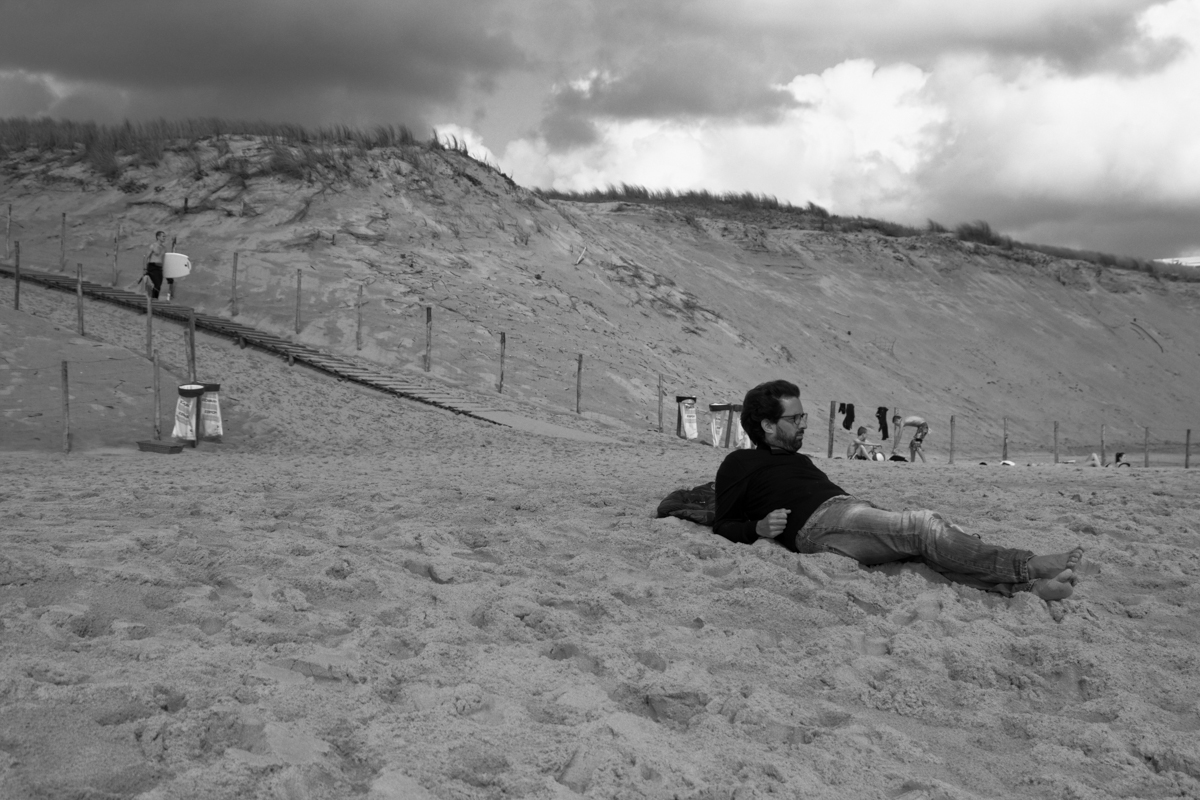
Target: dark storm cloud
[
  {"x": 1149, "y": 229},
  {"x": 1139, "y": 226},
  {"x": 681, "y": 60},
  {"x": 420, "y": 50},
  {"x": 666, "y": 87},
  {"x": 1074, "y": 39}
]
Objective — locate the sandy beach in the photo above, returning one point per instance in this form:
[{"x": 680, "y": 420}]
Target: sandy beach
[{"x": 357, "y": 596}]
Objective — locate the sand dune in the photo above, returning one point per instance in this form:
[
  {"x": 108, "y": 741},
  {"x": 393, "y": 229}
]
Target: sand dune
[{"x": 712, "y": 299}]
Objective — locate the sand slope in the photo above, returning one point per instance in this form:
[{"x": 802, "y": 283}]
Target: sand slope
[{"x": 713, "y": 301}]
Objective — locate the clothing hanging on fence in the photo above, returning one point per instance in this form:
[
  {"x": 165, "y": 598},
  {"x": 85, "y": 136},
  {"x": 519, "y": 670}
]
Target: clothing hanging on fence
[
  {"x": 881, "y": 415},
  {"x": 848, "y": 422}
]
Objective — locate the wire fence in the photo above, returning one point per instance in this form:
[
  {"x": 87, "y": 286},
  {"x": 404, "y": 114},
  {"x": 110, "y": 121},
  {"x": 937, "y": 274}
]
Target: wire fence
[
  {"x": 969, "y": 439},
  {"x": 277, "y": 296},
  {"x": 83, "y": 404},
  {"x": 268, "y": 291}
]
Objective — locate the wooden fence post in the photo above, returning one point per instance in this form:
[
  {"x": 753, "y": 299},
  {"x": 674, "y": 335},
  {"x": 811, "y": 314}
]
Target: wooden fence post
[
  {"x": 149, "y": 319},
  {"x": 17, "y": 280},
  {"x": 1103, "y": 455},
  {"x": 157, "y": 402},
  {"x": 660, "y": 403},
  {"x": 832, "y": 418},
  {"x": 233, "y": 290},
  {"x": 1187, "y": 450},
  {"x": 116, "y": 256},
  {"x": 66, "y": 405},
  {"x": 62, "y": 245},
  {"x": 298, "y": 274},
  {"x": 428, "y": 335},
  {"x": 1056, "y": 442},
  {"x": 579, "y": 384},
  {"x": 500, "y": 383},
  {"x": 79, "y": 295},
  {"x": 1004, "y": 446},
  {"x": 1146, "y": 449},
  {"x": 358, "y": 327},
  {"x": 191, "y": 337},
  {"x": 8, "y": 232},
  {"x": 951, "y": 438}
]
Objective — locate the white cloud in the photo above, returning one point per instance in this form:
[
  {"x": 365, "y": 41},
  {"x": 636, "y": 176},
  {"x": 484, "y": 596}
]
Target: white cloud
[
  {"x": 860, "y": 130},
  {"x": 42, "y": 94},
  {"x": 451, "y": 132},
  {"x": 1042, "y": 131}
]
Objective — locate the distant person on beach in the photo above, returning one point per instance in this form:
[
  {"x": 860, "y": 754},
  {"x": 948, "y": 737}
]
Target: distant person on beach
[
  {"x": 153, "y": 268},
  {"x": 1118, "y": 461},
  {"x": 911, "y": 421},
  {"x": 862, "y": 450},
  {"x": 918, "y": 439},
  {"x": 775, "y": 492}
]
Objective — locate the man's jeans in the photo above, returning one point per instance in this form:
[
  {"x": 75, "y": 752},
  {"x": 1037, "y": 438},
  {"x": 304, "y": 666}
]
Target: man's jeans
[{"x": 857, "y": 529}]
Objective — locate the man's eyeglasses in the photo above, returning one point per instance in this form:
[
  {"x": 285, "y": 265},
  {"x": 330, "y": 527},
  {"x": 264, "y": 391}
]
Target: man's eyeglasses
[{"x": 797, "y": 420}]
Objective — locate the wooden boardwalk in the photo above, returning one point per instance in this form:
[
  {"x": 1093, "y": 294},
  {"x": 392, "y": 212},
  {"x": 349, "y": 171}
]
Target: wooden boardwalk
[{"x": 337, "y": 366}]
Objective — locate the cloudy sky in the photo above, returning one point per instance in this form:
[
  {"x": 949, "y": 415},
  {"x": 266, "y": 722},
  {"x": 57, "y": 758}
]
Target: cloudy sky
[{"x": 1069, "y": 122}]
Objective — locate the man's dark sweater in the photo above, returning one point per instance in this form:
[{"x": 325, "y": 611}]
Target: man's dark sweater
[{"x": 753, "y": 483}]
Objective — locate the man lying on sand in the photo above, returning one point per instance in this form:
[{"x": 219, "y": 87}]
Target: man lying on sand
[{"x": 775, "y": 492}]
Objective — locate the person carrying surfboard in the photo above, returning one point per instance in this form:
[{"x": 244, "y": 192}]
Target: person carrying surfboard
[{"x": 153, "y": 267}]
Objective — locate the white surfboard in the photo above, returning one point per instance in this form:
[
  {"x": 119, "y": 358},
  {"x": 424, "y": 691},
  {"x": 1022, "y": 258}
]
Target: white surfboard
[{"x": 176, "y": 265}]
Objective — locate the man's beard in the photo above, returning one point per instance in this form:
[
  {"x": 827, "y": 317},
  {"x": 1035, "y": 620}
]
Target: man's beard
[{"x": 794, "y": 443}]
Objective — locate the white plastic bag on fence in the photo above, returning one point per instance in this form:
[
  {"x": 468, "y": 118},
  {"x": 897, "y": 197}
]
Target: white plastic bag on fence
[
  {"x": 685, "y": 421},
  {"x": 211, "y": 429},
  {"x": 716, "y": 426},
  {"x": 185, "y": 411}
]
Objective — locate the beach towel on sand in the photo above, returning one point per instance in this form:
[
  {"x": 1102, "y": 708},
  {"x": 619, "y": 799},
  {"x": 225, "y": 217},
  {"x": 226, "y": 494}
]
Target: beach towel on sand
[{"x": 698, "y": 504}]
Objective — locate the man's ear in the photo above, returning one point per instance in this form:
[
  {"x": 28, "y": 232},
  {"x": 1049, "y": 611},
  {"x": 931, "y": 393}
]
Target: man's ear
[{"x": 764, "y": 423}]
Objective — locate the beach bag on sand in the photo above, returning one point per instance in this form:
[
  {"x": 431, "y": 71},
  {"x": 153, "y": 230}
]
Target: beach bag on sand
[{"x": 698, "y": 504}]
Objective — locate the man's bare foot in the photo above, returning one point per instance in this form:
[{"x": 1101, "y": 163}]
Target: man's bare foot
[
  {"x": 1057, "y": 588},
  {"x": 1050, "y": 566}
]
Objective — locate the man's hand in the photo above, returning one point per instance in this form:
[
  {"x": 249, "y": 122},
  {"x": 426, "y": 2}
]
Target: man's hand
[{"x": 772, "y": 524}]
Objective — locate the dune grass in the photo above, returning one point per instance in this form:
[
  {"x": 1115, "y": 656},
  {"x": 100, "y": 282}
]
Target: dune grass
[
  {"x": 300, "y": 153},
  {"x": 814, "y": 217},
  {"x": 152, "y": 138},
  {"x": 981, "y": 232},
  {"x": 296, "y": 151}
]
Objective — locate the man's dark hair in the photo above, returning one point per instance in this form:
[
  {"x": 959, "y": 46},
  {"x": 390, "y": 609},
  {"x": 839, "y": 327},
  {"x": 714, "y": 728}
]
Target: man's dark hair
[{"x": 762, "y": 402}]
